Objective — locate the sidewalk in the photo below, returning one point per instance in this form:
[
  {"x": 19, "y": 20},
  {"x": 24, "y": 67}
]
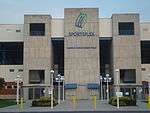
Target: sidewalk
[{"x": 82, "y": 105}]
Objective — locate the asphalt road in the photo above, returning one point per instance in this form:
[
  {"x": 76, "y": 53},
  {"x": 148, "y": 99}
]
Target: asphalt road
[{"x": 85, "y": 112}]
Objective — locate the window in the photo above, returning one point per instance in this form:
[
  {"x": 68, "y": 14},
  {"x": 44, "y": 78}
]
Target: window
[
  {"x": 11, "y": 70},
  {"x": 35, "y": 93},
  {"x": 145, "y": 52},
  {"x": 105, "y": 56},
  {"x": 20, "y": 70},
  {"x": 36, "y": 76},
  {"x": 127, "y": 76},
  {"x": 126, "y": 28},
  {"x": 58, "y": 55},
  {"x": 30, "y": 93},
  {"x": 143, "y": 69},
  {"x": 37, "y": 29},
  {"x": 18, "y": 30},
  {"x": 11, "y": 53}
]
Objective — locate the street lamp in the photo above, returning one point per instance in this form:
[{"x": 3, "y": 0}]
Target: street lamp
[
  {"x": 17, "y": 80},
  {"x": 101, "y": 86},
  {"x": 117, "y": 85},
  {"x": 59, "y": 79},
  {"x": 107, "y": 79},
  {"x": 51, "y": 74}
]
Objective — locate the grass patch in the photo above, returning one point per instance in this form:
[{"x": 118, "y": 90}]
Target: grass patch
[{"x": 5, "y": 103}]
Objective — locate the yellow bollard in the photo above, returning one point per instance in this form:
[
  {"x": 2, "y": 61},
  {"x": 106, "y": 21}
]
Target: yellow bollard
[
  {"x": 74, "y": 102},
  {"x": 21, "y": 104},
  {"x": 94, "y": 102},
  {"x": 149, "y": 102}
]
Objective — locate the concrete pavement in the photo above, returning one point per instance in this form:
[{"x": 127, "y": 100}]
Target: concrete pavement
[{"x": 82, "y": 105}]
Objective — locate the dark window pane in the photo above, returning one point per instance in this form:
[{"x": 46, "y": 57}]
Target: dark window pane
[
  {"x": 30, "y": 93},
  {"x": 126, "y": 28},
  {"x": 18, "y": 30},
  {"x": 20, "y": 70},
  {"x": 127, "y": 76},
  {"x": 105, "y": 56},
  {"x": 11, "y": 53},
  {"x": 37, "y": 93},
  {"x": 11, "y": 70},
  {"x": 58, "y": 55},
  {"x": 145, "y": 52},
  {"x": 37, "y": 29},
  {"x": 36, "y": 76}
]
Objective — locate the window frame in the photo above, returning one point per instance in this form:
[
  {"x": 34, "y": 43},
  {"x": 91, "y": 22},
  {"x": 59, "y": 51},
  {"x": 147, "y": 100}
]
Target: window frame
[
  {"x": 127, "y": 28},
  {"x": 123, "y": 73},
  {"x": 37, "y": 27}
]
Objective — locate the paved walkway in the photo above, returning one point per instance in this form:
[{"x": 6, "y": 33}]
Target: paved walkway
[{"x": 82, "y": 105}]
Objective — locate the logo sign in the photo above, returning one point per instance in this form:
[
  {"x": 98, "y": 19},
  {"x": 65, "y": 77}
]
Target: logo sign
[{"x": 81, "y": 20}]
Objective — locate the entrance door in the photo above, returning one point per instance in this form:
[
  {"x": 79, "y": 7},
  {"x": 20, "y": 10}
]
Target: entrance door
[{"x": 36, "y": 93}]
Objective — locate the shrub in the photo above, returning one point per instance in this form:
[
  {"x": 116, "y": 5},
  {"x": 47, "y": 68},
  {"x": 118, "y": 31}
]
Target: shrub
[
  {"x": 123, "y": 101},
  {"x": 43, "y": 102}
]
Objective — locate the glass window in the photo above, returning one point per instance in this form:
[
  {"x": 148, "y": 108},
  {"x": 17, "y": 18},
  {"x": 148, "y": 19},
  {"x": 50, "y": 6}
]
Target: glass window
[
  {"x": 126, "y": 28},
  {"x": 20, "y": 70},
  {"x": 58, "y": 55},
  {"x": 18, "y": 30},
  {"x": 145, "y": 52},
  {"x": 30, "y": 93},
  {"x": 37, "y": 29},
  {"x": 105, "y": 56},
  {"x": 11, "y": 70},
  {"x": 36, "y": 76},
  {"x": 11, "y": 53},
  {"x": 127, "y": 76},
  {"x": 37, "y": 93}
]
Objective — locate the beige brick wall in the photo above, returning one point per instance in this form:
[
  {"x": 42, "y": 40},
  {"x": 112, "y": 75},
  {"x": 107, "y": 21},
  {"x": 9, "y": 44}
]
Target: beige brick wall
[
  {"x": 81, "y": 65},
  {"x": 126, "y": 48},
  {"x": 37, "y": 49}
]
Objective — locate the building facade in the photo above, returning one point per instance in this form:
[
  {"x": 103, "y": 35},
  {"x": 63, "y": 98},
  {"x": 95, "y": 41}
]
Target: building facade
[{"x": 81, "y": 46}]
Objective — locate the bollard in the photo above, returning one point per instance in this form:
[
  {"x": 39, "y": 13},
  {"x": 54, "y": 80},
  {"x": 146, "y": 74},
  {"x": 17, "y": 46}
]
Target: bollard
[
  {"x": 94, "y": 102},
  {"x": 149, "y": 102},
  {"x": 74, "y": 102},
  {"x": 21, "y": 104}
]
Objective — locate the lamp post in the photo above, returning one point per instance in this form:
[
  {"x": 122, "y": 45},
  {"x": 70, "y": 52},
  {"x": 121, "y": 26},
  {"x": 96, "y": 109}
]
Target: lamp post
[
  {"x": 101, "y": 86},
  {"x": 107, "y": 79},
  {"x": 101, "y": 80},
  {"x": 63, "y": 79},
  {"x": 51, "y": 76},
  {"x": 17, "y": 80},
  {"x": 59, "y": 79},
  {"x": 117, "y": 85}
]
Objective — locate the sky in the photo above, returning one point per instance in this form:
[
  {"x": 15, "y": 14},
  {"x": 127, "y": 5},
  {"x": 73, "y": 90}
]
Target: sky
[{"x": 12, "y": 11}]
